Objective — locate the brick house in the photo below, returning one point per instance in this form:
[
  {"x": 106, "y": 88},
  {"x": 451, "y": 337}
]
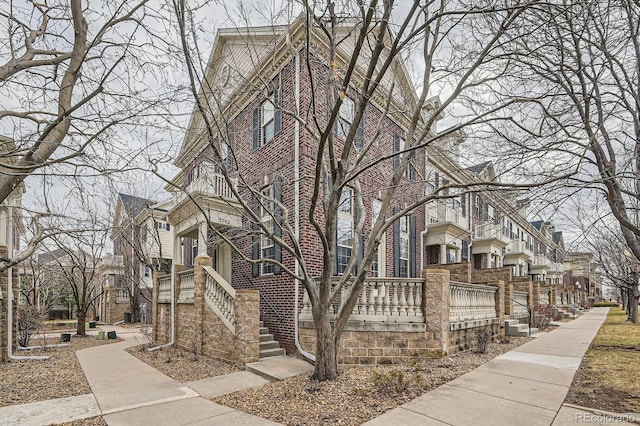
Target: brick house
[
  {"x": 255, "y": 76},
  {"x": 142, "y": 242}
]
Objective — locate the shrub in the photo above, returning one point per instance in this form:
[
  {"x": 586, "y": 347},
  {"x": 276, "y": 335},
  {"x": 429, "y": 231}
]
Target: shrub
[
  {"x": 29, "y": 318},
  {"x": 482, "y": 338},
  {"x": 541, "y": 315},
  {"x": 606, "y": 305}
]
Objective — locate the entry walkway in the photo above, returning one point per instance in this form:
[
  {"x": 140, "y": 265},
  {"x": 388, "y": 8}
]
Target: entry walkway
[
  {"x": 525, "y": 386},
  {"x": 129, "y": 392}
]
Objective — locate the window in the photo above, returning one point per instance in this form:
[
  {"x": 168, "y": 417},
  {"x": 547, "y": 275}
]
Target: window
[
  {"x": 163, "y": 225},
  {"x": 267, "y": 119},
  {"x": 378, "y": 259},
  {"x": 345, "y": 117},
  {"x": 193, "y": 174},
  {"x": 399, "y": 145},
  {"x": 403, "y": 270},
  {"x": 476, "y": 206},
  {"x": 490, "y": 213},
  {"x": 266, "y": 217},
  {"x": 147, "y": 271},
  {"x": 344, "y": 230}
]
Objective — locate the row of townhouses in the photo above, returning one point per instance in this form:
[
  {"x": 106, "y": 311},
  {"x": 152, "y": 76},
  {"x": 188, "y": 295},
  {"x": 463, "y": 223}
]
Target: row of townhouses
[{"x": 467, "y": 260}]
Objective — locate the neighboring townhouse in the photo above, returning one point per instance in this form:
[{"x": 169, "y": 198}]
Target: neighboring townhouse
[
  {"x": 114, "y": 299},
  {"x": 582, "y": 276},
  {"x": 11, "y": 228},
  {"x": 142, "y": 239}
]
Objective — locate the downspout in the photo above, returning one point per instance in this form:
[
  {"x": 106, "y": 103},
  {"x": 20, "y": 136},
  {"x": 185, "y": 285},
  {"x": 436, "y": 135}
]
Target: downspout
[
  {"x": 10, "y": 322},
  {"x": 296, "y": 185}
]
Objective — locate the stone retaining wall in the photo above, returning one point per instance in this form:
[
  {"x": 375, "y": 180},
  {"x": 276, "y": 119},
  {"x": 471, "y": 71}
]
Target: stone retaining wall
[{"x": 198, "y": 327}]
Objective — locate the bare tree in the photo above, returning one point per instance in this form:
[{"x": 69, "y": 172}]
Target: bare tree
[
  {"x": 577, "y": 66},
  {"x": 348, "y": 51},
  {"x": 76, "y": 267}
]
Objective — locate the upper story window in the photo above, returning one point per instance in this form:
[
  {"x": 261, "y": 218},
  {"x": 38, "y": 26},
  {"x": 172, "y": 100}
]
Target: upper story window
[
  {"x": 267, "y": 119},
  {"x": 477, "y": 206},
  {"x": 378, "y": 260},
  {"x": 399, "y": 145},
  {"x": 163, "y": 225},
  {"x": 345, "y": 117}
]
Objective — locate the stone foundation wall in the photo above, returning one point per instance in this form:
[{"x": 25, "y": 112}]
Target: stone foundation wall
[
  {"x": 460, "y": 272},
  {"x": 466, "y": 339},
  {"x": 479, "y": 276},
  {"x": 198, "y": 327},
  {"x": 376, "y": 347}
]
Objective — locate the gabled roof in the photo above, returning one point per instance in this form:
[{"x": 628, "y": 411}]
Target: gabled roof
[
  {"x": 55, "y": 254},
  {"x": 478, "y": 168},
  {"x": 538, "y": 224},
  {"x": 134, "y": 205},
  {"x": 557, "y": 237}
]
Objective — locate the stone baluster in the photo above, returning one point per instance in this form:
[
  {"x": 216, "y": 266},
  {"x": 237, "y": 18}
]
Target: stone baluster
[
  {"x": 410, "y": 300},
  {"x": 403, "y": 300},
  {"x": 362, "y": 309},
  {"x": 394, "y": 300},
  {"x": 387, "y": 301},
  {"x": 371, "y": 309},
  {"x": 379, "y": 298},
  {"x": 306, "y": 302}
]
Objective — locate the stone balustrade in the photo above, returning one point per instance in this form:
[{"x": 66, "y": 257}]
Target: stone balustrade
[
  {"x": 220, "y": 297},
  {"x": 544, "y": 297},
  {"x": 381, "y": 300},
  {"x": 520, "y": 304},
  {"x": 122, "y": 295},
  {"x": 471, "y": 305},
  {"x": 187, "y": 284},
  {"x": 164, "y": 289}
]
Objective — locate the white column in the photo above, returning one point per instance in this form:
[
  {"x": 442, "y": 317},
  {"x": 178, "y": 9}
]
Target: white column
[
  {"x": 202, "y": 239},
  {"x": 443, "y": 254},
  {"x": 177, "y": 247},
  {"x": 458, "y": 255}
]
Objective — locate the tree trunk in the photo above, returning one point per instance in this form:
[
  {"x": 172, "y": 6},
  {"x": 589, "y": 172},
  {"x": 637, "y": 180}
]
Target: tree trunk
[
  {"x": 326, "y": 367},
  {"x": 634, "y": 305},
  {"x": 80, "y": 326}
]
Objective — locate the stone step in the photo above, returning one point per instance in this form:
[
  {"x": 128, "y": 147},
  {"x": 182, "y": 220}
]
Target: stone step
[
  {"x": 272, "y": 344},
  {"x": 268, "y": 353},
  {"x": 264, "y": 330},
  {"x": 266, "y": 337},
  {"x": 261, "y": 323}
]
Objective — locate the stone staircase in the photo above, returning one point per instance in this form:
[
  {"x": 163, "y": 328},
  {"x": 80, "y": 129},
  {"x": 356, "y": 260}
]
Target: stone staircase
[
  {"x": 268, "y": 346},
  {"x": 567, "y": 312},
  {"x": 513, "y": 327}
]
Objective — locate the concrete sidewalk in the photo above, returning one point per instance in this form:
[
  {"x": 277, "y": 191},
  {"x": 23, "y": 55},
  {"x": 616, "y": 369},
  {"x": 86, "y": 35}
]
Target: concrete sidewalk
[
  {"x": 129, "y": 392},
  {"x": 525, "y": 386}
]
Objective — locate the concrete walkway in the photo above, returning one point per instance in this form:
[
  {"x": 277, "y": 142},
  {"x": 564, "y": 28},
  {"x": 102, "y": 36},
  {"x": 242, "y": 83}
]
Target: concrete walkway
[{"x": 525, "y": 386}]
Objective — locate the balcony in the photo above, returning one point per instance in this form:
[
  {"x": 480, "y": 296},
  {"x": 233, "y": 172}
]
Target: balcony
[
  {"x": 488, "y": 238},
  {"x": 208, "y": 192},
  {"x": 209, "y": 183},
  {"x": 445, "y": 224},
  {"x": 518, "y": 247}
]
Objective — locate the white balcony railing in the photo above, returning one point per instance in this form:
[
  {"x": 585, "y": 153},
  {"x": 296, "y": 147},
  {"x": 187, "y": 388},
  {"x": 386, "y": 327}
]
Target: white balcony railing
[
  {"x": 556, "y": 267},
  {"x": 518, "y": 246},
  {"x": 187, "y": 285},
  {"x": 520, "y": 304},
  {"x": 470, "y": 302},
  {"x": 164, "y": 289},
  {"x": 541, "y": 261},
  {"x": 441, "y": 212},
  {"x": 381, "y": 300},
  {"x": 209, "y": 183},
  {"x": 489, "y": 230}
]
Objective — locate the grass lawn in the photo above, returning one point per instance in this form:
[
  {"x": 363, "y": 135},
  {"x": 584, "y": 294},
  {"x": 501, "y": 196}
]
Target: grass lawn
[{"x": 608, "y": 376}]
